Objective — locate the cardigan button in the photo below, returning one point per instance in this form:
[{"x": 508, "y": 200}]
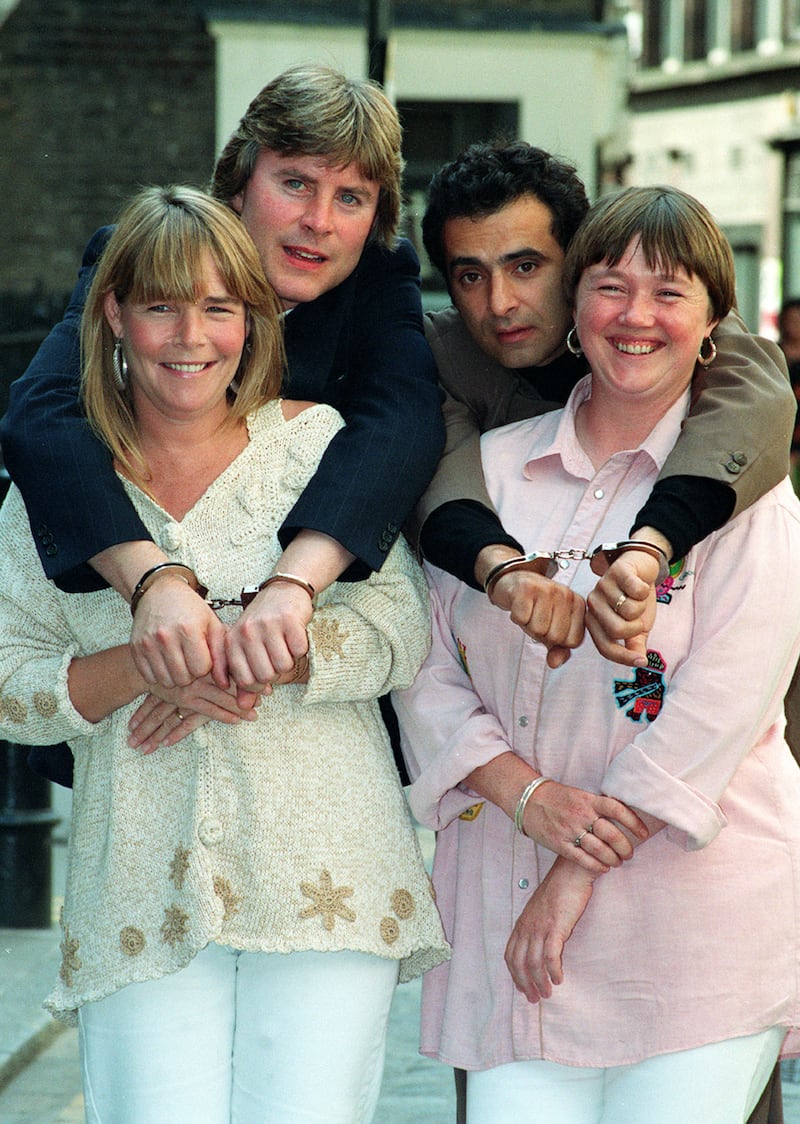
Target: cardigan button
[{"x": 209, "y": 831}]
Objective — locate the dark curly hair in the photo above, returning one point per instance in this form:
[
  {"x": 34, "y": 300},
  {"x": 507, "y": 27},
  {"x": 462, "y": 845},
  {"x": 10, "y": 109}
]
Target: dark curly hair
[{"x": 487, "y": 176}]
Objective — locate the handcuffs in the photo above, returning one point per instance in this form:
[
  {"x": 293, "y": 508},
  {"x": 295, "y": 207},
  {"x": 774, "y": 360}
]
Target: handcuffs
[{"x": 545, "y": 562}]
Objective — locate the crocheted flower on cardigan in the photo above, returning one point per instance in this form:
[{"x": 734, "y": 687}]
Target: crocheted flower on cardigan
[{"x": 327, "y": 901}]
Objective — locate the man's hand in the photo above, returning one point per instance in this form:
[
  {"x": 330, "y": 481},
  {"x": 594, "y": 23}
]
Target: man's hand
[
  {"x": 176, "y": 636},
  {"x": 621, "y": 609},
  {"x": 557, "y": 815},
  {"x": 269, "y": 637},
  {"x": 535, "y": 948}
]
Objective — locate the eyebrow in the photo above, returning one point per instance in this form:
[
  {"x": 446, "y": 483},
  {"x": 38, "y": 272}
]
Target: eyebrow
[
  {"x": 365, "y": 191},
  {"x": 504, "y": 259}
]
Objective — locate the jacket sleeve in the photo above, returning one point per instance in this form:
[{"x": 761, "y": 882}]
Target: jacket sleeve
[
  {"x": 376, "y": 468},
  {"x": 76, "y": 504},
  {"x": 741, "y": 422}
]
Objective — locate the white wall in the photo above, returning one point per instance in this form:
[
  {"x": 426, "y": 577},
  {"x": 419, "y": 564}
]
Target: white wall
[{"x": 570, "y": 87}]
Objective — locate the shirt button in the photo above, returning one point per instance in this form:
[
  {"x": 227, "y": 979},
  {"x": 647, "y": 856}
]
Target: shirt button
[
  {"x": 522, "y": 720},
  {"x": 599, "y": 493},
  {"x": 523, "y": 883},
  {"x": 563, "y": 563}
]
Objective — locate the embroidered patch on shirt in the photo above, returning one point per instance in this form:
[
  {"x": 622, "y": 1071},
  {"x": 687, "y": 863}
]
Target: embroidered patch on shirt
[
  {"x": 645, "y": 692},
  {"x": 326, "y": 902},
  {"x": 470, "y": 814},
  {"x": 176, "y": 925},
  {"x": 231, "y": 901},
  {"x": 131, "y": 940},
  {"x": 665, "y": 591},
  {"x": 328, "y": 637},
  {"x": 179, "y": 866},
  {"x": 70, "y": 961}
]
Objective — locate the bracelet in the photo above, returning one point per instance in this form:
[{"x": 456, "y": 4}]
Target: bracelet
[
  {"x": 612, "y": 551},
  {"x": 150, "y": 576},
  {"x": 251, "y": 591},
  {"x": 520, "y": 562},
  {"x": 522, "y": 803}
]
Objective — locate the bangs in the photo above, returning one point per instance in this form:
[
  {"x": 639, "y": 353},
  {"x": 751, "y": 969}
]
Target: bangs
[
  {"x": 659, "y": 229},
  {"x": 171, "y": 259}
]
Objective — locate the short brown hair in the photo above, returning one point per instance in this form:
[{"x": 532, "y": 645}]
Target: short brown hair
[
  {"x": 316, "y": 111},
  {"x": 674, "y": 230},
  {"x": 156, "y": 253}
]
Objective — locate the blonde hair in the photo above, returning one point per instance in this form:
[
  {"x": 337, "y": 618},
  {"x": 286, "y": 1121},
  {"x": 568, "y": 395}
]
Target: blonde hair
[
  {"x": 156, "y": 253},
  {"x": 674, "y": 230},
  {"x": 316, "y": 111}
]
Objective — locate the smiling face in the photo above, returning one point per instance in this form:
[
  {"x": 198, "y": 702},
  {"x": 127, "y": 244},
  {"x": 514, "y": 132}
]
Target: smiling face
[
  {"x": 309, "y": 222},
  {"x": 505, "y": 277},
  {"x": 641, "y": 328},
  {"x": 181, "y": 356}
]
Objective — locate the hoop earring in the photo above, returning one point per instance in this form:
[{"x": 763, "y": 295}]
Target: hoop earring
[
  {"x": 120, "y": 365},
  {"x": 707, "y": 360},
  {"x": 573, "y": 343},
  {"x": 235, "y": 384}
]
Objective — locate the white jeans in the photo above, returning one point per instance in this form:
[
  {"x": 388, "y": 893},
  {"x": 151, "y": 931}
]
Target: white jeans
[
  {"x": 247, "y": 1037},
  {"x": 715, "y": 1084}
]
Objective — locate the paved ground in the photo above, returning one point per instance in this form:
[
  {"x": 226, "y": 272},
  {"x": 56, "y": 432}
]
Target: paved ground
[{"x": 39, "y": 1077}]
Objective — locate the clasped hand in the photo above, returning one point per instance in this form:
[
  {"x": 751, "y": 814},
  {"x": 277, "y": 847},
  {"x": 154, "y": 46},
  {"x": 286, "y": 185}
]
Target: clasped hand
[
  {"x": 618, "y": 614},
  {"x": 200, "y": 670},
  {"x": 557, "y": 815}
]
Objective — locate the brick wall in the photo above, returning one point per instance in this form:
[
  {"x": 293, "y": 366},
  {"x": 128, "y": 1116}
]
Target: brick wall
[{"x": 96, "y": 98}]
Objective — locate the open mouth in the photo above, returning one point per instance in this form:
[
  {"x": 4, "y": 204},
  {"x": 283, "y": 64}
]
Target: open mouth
[
  {"x": 633, "y": 347},
  {"x": 187, "y": 368},
  {"x": 304, "y": 255}
]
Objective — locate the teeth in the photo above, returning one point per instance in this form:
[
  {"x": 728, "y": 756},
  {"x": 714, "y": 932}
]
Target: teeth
[
  {"x": 635, "y": 348},
  {"x": 306, "y": 256},
  {"x": 187, "y": 368}
]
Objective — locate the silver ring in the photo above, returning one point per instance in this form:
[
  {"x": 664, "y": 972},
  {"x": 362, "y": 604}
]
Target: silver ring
[
  {"x": 577, "y": 842},
  {"x": 180, "y": 716},
  {"x": 620, "y": 602},
  {"x": 590, "y": 828}
]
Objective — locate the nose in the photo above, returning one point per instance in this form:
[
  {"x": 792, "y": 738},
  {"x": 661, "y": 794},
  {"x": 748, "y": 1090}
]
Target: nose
[
  {"x": 637, "y": 309},
  {"x": 502, "y": 295},
  {"x": 318, "y": 215},
  {"x": 189, "y": 330}
]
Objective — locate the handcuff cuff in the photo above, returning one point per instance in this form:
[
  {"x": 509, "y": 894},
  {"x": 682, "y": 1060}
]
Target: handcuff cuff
[{"x": 605, "y": 552}]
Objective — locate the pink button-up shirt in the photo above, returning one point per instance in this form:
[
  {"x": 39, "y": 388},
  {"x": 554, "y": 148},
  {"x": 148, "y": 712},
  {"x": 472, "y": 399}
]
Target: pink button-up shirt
[{"x": 696, "y": 939}]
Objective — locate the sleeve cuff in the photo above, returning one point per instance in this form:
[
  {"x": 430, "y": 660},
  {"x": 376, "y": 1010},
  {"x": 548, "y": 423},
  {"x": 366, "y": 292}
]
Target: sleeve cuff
[{"x": 692, "y": 820}]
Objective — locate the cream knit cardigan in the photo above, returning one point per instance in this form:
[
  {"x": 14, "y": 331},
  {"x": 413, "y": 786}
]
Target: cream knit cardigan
[{"x": 289, "y": 833}]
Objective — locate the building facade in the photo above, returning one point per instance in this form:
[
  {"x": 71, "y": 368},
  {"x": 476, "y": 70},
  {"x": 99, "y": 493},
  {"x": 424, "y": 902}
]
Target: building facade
[{"x": 715, "y": 109}]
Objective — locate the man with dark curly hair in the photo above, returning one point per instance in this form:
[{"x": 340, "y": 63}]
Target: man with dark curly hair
[{"x": 498, "y": 222}]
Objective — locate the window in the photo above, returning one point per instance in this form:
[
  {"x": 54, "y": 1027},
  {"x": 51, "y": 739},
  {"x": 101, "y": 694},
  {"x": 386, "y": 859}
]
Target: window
[{"x": 433, "y": 133}]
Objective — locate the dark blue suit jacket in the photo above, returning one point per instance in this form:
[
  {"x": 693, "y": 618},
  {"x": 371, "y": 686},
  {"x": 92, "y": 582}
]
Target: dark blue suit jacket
[{"x": 359, "y": 347}]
